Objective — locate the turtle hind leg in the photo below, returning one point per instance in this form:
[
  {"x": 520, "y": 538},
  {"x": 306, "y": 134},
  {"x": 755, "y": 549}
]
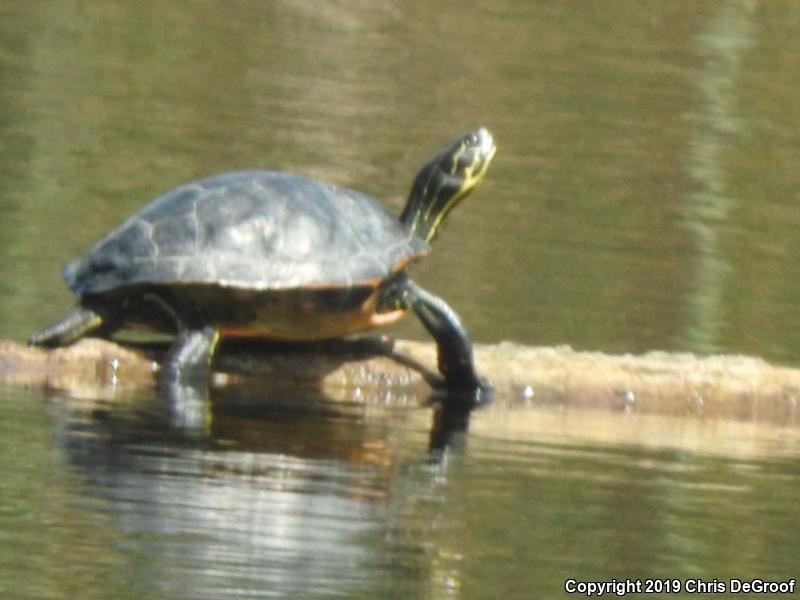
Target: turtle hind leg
[
  {"x": 190, "y": 356},
  {"x": 184, "y": 378},
  {"x": 79, "y": 321}
]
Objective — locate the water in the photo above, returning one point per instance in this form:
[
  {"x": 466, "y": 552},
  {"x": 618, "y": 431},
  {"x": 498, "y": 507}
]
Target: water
[
  {"x": 643, "y": 197},
  {"x": 344, "y": 503}
]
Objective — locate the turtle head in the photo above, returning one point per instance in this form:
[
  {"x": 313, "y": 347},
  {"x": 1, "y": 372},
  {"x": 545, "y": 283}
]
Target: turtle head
[{"x": 445, "y": 180}]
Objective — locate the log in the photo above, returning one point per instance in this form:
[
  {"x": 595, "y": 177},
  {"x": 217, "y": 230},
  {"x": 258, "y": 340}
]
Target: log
[{"x": 399, "y": 372}]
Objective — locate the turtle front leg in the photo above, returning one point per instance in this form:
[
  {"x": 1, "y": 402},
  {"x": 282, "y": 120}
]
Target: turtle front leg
[{"x": 456, "y": 362}]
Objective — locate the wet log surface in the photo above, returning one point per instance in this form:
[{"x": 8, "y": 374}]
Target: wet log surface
[{"x": 386, "y": 371}]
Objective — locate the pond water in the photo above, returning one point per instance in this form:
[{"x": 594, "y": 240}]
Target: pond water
[{"x": 643, "y": 197}]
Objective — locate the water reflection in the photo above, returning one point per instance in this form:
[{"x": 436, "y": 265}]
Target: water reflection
[
  {"x": 298, "y": 496},
  {"x": 716, "y": 126},
  {"x": 292, "y": 496}
]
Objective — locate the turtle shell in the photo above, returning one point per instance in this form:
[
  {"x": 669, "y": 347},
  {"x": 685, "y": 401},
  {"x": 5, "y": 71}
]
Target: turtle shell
[{"x": 252, "y": 230}]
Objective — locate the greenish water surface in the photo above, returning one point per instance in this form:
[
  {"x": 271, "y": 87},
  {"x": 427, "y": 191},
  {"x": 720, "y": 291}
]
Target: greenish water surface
[{"x": 644, "y": 197}]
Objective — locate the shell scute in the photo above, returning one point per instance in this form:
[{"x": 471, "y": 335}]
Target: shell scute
[{"x": 252, "y": 230}]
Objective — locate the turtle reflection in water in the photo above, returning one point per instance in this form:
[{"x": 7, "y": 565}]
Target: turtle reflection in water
[{"x": 277, "y": 255}]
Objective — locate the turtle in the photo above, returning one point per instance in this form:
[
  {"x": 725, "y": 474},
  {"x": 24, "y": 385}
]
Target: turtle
[{"x": 276, "y": 255}]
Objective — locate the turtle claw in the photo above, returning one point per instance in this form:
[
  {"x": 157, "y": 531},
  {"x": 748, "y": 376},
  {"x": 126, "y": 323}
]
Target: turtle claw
[{"x": 465, "y": 395}]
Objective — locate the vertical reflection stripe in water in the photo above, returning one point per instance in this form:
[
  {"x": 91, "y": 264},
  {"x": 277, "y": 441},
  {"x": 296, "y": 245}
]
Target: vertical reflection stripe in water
[{"x": 716, "y": 124}]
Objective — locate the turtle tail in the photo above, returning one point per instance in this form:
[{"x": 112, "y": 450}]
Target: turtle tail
[{"x": 76, "y": 323}]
